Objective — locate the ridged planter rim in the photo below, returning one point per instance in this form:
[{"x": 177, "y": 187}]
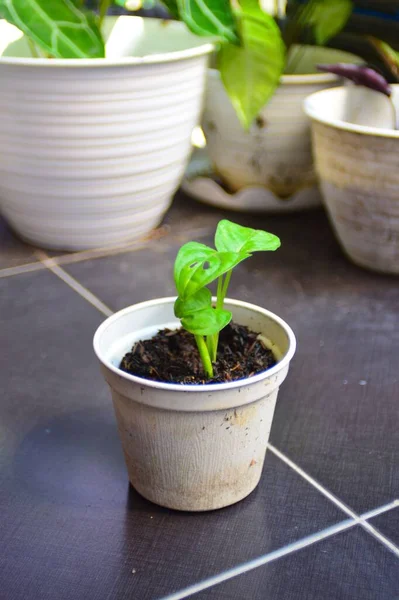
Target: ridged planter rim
[
  {"x": 314, "y": 101},
  {"x": 204, "y": 47},
  {"x": 293, "y": 79},
  {"x": 207, "y": 388}
]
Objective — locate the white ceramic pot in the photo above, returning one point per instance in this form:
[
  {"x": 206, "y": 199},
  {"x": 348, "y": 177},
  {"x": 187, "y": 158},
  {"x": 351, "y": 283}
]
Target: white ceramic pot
[
  {"x": 191, "y": 447},
  {"x": 92, "y": 151},
  {"x": 357, "y": 158},
  {"x": 276, "y": 153}
]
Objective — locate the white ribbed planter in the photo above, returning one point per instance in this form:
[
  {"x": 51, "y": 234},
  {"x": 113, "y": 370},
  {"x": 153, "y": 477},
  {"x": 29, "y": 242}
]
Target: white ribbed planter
[
  {"x": 191, "y": 447},
  {"x": 91, "y": 151},
  {"x": 276, "y": 152},
  {"x": 357, "y": 158}
]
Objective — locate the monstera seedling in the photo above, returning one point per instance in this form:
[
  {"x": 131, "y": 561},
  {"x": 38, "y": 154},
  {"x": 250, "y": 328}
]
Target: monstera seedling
[{"x": 197, "y": 266}]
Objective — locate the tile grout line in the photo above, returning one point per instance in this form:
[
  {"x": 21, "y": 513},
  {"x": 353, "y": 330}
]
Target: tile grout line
[
  {"x": 19, "y": 269},
  {"x": 361, "y": 521},
  {"x": 52, "y": 266},
  {"x": 83, "y": 255},
  {"x": 276, "y": 554}
]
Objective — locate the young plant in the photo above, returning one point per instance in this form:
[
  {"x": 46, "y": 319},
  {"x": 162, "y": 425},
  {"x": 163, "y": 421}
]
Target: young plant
[{"x": 197, "y": 266}]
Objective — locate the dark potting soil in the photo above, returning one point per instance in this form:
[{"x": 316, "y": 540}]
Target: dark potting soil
[{"x": 172, "y": 356}]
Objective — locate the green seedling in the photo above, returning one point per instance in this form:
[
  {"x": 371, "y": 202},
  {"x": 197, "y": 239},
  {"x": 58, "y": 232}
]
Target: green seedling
[{"x": 197, "y": 266}]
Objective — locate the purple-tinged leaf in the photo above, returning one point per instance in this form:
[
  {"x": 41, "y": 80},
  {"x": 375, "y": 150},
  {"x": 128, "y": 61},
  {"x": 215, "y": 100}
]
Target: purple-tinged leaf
[{"x": 360, "y": 75}]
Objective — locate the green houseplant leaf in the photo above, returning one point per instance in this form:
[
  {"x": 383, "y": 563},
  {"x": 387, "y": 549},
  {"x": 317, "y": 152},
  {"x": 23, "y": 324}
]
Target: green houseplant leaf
[
  {"x": 198, "y": 265},
  {"x": 251, "y": 71},
  {"x": 208, "y": 18},
  {"x": 194, "y": 303},
  {"x": 61, "y": 28},
  {"x": 231, "y": 237},
  {"x": 198, "y": 316},
  {"x": 328, "y": 18},
  {"x": 207, "y": 321}
]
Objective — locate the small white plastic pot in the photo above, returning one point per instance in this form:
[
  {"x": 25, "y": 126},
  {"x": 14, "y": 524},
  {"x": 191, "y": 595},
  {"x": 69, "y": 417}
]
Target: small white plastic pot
[
  {"x": 92, "y": 150},
  {"x": 275, "y": 153},
  {"x": 192, "y": 447},
  {"x": 356, "y": 151}
]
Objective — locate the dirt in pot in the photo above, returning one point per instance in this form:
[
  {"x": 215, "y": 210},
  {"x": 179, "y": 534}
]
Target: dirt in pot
[{"x": 172, "y": 356}]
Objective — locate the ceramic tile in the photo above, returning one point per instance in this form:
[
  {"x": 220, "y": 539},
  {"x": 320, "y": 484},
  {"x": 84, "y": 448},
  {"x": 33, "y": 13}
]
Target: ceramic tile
[
  {"x": 350, "y": 565},
  {"x": 388, "y": 525}
]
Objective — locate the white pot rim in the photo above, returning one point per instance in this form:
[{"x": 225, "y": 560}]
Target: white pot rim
[
  {"x": 203, "y": 47},
  {"x": 195, "y": 388},
  {"x": 315, "y": 78},
  {"x": 310, "y": 107}
]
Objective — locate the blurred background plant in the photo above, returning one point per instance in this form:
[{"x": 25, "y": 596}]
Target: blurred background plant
[
  {"x": 376, "y": 18},
  {"x": 255, "y": 47}
]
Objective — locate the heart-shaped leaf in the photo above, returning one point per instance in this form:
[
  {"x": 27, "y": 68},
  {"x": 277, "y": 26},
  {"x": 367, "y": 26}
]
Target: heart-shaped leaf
[
  {"x": 198, "y": 265},
  {"x": 327, "y": 17},
  {"x": 61, "y": 28},
  {"x": 188, "y": 254},
  {"x": 231, "y": 237},
  {"x": 198, "y": 301},
  {"x": 208, "y": 18},
  {"x": 207, "y": 321},
  {"x": 251, "y": 71}
]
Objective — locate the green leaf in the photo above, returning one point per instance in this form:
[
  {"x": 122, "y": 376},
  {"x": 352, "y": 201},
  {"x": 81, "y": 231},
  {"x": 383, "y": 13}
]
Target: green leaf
[
  {"x": 197, "y": 315},
  {"x": 207, "y": 321},
  {"x": 61, "y": 28},
  {"x": 189, "y": 254},
  {"x": 208, "y": 18},
  {"x": 231, "y": 237},
  {"x": 198, "y": 301},
  {"x": 251, "y": 72},
  {"x": 328, "y": 18},
  {"x": 388, "y": 54},
  {"x": 198, "y": 265}
]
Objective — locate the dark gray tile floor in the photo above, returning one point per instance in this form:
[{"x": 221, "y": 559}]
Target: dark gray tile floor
[
  {"x": 388, "y": 524},
  {"x": 350, "y": 565},
  {"x": 71, "y": 528},
  {"x": 347, "y": 325}
]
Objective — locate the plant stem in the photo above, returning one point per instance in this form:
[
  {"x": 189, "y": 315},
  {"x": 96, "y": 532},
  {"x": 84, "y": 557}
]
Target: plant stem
[
  {"x": 104, "y": 6},
  {"x": 204, "y": 354},
  {"x": 210, "y": 344},
  {"x": 220, "y": 296},
  {"x": 395, "y": 114},
  {"x": 226, "y": 285},
  {"x": 219, "y": 299},
  {"x": 33, "y": 49}
]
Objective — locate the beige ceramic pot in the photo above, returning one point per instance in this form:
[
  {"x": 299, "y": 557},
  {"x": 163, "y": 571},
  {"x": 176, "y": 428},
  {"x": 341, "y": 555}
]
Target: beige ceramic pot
[
  {"x": 192, "y": 447},
  {"x": 356, "y": 152},
  {"x": 275, "y": 154}
]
